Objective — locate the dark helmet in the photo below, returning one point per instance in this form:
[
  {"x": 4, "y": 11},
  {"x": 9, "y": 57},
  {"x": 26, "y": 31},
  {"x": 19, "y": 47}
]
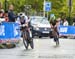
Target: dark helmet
[{"x": 53, "y": 22}]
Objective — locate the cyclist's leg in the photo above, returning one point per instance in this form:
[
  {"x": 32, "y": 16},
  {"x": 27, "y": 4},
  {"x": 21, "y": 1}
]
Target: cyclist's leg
[
  {"x": 56, "y": 39},
  {"x": 30, "y": 32},
  {"x": 29, "y": 40},
  {"x": 32, "y": 44},
  {"x": 25, "y": 34},
  {"x": 28, "y": 35}
]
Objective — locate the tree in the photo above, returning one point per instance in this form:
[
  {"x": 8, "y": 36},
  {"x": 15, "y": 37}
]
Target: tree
[{"x": 58, "y": 6}]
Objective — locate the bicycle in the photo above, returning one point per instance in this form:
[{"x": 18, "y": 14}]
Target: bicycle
[{"x": 26, "y": 38}]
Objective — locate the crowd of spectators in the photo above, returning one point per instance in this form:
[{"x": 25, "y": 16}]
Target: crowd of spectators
[{"x": 7, "y": 15}]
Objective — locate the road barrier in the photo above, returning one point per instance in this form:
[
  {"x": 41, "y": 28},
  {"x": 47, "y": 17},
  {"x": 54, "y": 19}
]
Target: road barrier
[
  {"x": 67, "y": 30},
  {"x": 9, "y": 31}
]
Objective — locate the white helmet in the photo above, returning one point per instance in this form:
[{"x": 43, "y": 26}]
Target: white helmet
[{"x": 23, "y": 14}]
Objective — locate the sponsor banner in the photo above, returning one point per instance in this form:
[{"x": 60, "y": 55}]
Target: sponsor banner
[
  {"x": 9, "y": 30},
  {"x": 67, "y": 30}
]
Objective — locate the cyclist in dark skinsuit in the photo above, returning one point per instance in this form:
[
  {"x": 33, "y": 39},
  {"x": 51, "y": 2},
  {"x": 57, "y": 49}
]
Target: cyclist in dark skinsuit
[{"x": 55, "y": 32}]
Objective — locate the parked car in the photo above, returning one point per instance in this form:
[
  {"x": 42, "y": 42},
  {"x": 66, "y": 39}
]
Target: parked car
[{"x": 40, "y": 26}]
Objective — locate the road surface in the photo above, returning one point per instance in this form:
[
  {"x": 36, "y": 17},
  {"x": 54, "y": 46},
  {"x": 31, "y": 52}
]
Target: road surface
[{"x": 44, "y": 49}]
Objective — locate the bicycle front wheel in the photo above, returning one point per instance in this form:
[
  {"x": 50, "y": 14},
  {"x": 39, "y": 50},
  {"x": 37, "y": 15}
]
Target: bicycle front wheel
[{"x": 25, "y": 42}]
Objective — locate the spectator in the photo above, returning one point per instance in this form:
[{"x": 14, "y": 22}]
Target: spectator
[
  {"x": 60, "y": 21},
  {"x": 1, "y": 14},
  {"x": 1, "y": 17},
  {"x": 11, "y": 14},
  {"x": 65, "y": 23},
  {"x": 6, "y": 16},
  {"x": 55, "y": 32}
]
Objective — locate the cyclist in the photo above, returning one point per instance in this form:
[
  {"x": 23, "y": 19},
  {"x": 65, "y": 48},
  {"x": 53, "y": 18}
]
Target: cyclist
[
  {"x": 26, "y": 32},
  {"x": 11, "y": 14},
  {"x": 55, "y": 32}
]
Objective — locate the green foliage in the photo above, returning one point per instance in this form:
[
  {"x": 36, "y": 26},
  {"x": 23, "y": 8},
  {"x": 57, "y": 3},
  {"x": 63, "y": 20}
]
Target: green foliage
[
  {"x": 58, "y": 6},
  {"x": 18, "y": 5}
]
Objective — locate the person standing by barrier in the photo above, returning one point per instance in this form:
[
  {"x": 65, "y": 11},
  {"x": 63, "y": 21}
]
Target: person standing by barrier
[
  {"x": 60, "y": 21},
  {"x": 11, "y": 14},
  {"x": 6, "y": 16},
  {"x": 65, "y": 23},
  {"x": 2, "y": 19}
]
